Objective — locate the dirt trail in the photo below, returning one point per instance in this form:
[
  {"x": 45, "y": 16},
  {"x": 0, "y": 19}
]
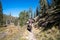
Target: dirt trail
[
  {"x": 2, "y": 35},
  {"x": 31, "y": 36}
]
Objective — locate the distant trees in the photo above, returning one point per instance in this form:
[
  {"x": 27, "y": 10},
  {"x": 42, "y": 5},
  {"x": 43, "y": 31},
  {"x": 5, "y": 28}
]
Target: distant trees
[
  {"x": 23, "y": 17},
  {"x": 16, "y": 21},
  {"x": 30, "y": 13}
]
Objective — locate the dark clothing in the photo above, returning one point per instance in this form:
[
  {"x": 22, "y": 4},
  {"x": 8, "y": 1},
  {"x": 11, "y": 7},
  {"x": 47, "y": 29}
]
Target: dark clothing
[{"x": 29, "y": 27}]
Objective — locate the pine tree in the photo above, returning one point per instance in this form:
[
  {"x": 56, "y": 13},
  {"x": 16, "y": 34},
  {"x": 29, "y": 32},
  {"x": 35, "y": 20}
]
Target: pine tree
[
  {"x": 37, "y": 13},
  {"x": 23, "y": 17},
  {"x": 1, "y": 14},
  {"x": 44, "y": 6},
  {"x": 34, "y": 15},
  {"x": 30, "y": 11}
]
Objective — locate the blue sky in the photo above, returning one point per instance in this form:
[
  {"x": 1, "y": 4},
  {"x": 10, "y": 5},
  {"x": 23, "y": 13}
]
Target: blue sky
[{"x": 16, "y": 6}]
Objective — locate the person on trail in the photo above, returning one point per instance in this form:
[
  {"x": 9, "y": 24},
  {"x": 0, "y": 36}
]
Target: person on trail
[{"x": 29, "y": 26}]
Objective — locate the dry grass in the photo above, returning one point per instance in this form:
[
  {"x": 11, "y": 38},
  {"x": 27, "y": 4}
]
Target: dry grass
[
  {"x": 2, "y": 29},
  {"x": 14, "y": 33},
  {"x": 22, "y": 33},
  {"x": 11, "y": 31},
  {"x": 51, "y": 34}
]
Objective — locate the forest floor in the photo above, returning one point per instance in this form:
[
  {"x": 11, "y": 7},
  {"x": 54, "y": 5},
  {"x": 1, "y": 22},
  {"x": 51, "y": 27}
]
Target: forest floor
[{"x": 12, "y": 32}]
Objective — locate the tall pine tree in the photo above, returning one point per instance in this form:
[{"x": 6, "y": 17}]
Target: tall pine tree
[
  {"x": 37, "y": 12},
  {"x": 30, "y": 11},
  {"x": 1, "y": 14}
]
